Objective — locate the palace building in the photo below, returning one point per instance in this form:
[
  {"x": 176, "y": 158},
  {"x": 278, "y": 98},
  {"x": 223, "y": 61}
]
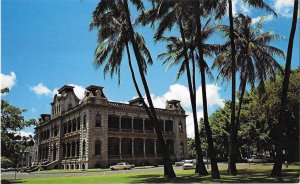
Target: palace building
[{"x": 96, "y": 132}]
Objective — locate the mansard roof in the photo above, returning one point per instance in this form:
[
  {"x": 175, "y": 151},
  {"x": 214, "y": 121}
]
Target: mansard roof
[{"x": 66, "y": 88}]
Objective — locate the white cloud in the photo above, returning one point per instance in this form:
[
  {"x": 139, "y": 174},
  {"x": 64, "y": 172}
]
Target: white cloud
[
  {"x": 41, "y": 89},
  {"x": 266, "y": 18},
  {"x": 239, "y": 6},
  {"x": 190, "y": 122},
  {"x": 24, "y": 133},
  {"x": 78, "y": 90},
  {"x": 181, "y": 92},
  {"x": 8, "y": 81},
  {"x": 284, "y": 7}
]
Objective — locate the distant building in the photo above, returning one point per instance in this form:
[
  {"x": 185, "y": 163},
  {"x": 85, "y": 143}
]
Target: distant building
[{"x": 96, "y": 132}]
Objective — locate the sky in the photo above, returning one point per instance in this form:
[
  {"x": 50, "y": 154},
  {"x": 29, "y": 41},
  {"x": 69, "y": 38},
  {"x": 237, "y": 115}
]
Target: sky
[{"x": 47, "y": 44}]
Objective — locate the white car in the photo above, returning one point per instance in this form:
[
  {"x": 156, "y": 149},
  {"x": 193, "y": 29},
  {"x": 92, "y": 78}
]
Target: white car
[
  {"x": 180, "y": 163},
  {"x": 121, "y": 165},
  {"x": 188, "y": 166},
  {"x": 255, "y": 159}
]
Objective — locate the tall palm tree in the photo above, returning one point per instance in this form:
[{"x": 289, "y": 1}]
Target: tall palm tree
[
  {"x": 279, "y": 144},
  {"x": 220, "y": 7},
  {"x": 202, "y": 9},
  {"x": 112, "y": 18},
  {"x": 175, "y": 55},
  {"x": 255, "y": 57},
  {"x": 169, "y": 13}
]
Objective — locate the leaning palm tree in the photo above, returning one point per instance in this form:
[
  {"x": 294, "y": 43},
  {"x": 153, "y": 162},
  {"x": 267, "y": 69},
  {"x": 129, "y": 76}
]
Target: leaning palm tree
[
  {"x": 174, "y": 56},
  {"x": 116, "y": 33},
  {"x": 255, "y": 57},
  {"x": 169, "y": 13},
  {"x": 220, "y": 7},
  {"x": 279, "y": 144}
]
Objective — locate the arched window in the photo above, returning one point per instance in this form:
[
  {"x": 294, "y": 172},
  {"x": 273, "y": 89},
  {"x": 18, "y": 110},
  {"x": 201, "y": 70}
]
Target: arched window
[
  {"x": 180, "y": 127},
  {"x": 181, "y": 148},
  {"x": 98, "y": 120},
  {"x": 84, "y": 121},
  {"x": 74, "y": 125},
  {"x": 55, "y": 131},
  {"x": 69, "y": 126},
  {"x": 78, "y": 123},
  {"x": 97, "y": 147},
  {"x": 83, "y": 148}
]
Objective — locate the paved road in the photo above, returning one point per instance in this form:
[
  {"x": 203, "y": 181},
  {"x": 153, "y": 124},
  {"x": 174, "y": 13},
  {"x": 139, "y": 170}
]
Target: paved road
[{"x": 11, "y": 175}]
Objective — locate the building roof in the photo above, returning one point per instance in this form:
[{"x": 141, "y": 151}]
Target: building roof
[
  {"x": 135, "y": 100},
  {"x": 93, "y": 88},
  {"x": 66, "y": 88}
]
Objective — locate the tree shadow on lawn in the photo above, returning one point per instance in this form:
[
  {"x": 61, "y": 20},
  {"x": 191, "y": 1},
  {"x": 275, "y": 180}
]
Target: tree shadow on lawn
[
  {"x": 244, "y": 176},
  {"x": 12, "y": 181}
]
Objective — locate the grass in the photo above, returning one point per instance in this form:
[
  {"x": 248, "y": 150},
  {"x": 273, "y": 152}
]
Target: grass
[
  {"x": 255, "y": 174},
  {"x": 55, "y": 171}
]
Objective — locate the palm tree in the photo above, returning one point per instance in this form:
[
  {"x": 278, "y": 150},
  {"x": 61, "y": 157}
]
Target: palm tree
[
  {"x": 168, "y": 13},
  {"x": 220, "y": 7},
  {"x": 202, "y": 9},
  {"x": 176, "y": 54},
  {"x": 112, "y": 18},
  {"x": 278, "y": 147},
  {"x": 255, "y": 58}
]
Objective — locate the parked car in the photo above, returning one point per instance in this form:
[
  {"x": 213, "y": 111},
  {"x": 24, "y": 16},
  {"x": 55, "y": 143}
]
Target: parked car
[
  {"x": 188, "y": 166},
  {"x": 180, "y": 163},
  {"x": 121, "y": 165},
  {"x": 255, "y": 159}
]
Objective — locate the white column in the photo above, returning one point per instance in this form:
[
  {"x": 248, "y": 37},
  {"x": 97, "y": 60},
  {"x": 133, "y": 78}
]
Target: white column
[
  {"x": 120, "y": 148},
  {"x": 132, "y": 147}
]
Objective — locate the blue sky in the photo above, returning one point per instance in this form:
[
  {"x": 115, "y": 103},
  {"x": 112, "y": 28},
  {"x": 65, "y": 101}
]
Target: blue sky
[{"x": 46, "y": 44}]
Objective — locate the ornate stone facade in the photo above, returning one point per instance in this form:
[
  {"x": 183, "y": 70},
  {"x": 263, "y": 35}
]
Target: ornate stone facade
[{"x": 96, "y": 132}]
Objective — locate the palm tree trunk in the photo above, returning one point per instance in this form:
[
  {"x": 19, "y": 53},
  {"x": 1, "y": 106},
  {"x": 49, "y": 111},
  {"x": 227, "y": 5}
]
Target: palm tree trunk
[
  {"x": 279, "y": 143},
  {"x": 232, "y": 141},
  {"x": 168, "y": 169},
  {"x": 243, "y": 88},
  {"x": 211, "y": 151},
  {"x": 200, "y": 166},
  {"x": 194, "y": 76},
  {"x": 136, "y": 84}
]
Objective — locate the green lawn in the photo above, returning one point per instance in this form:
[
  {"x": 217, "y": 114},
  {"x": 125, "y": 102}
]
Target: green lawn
[
  {"x": 255, "y": 174},
  {"x": 78, "y": 171}
]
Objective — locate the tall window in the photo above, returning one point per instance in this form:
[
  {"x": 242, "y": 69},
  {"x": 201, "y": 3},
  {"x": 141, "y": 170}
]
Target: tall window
[
  {"x": 55, "y": 131},
  {"x": 97, "y": 147},
  {"x": 98, "y": 120},
  {"x": 180, "y": 127},
  {"x": 83, "y": 148},
  {"x": 69, "y": 126},
  {"x": 181, "y": 148},
  {"x": 74, "y": 125},
  {"x": 78, "y": 123},
  {"x": 84, "y": 121},
  {"x": 65, "y": 128}
]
